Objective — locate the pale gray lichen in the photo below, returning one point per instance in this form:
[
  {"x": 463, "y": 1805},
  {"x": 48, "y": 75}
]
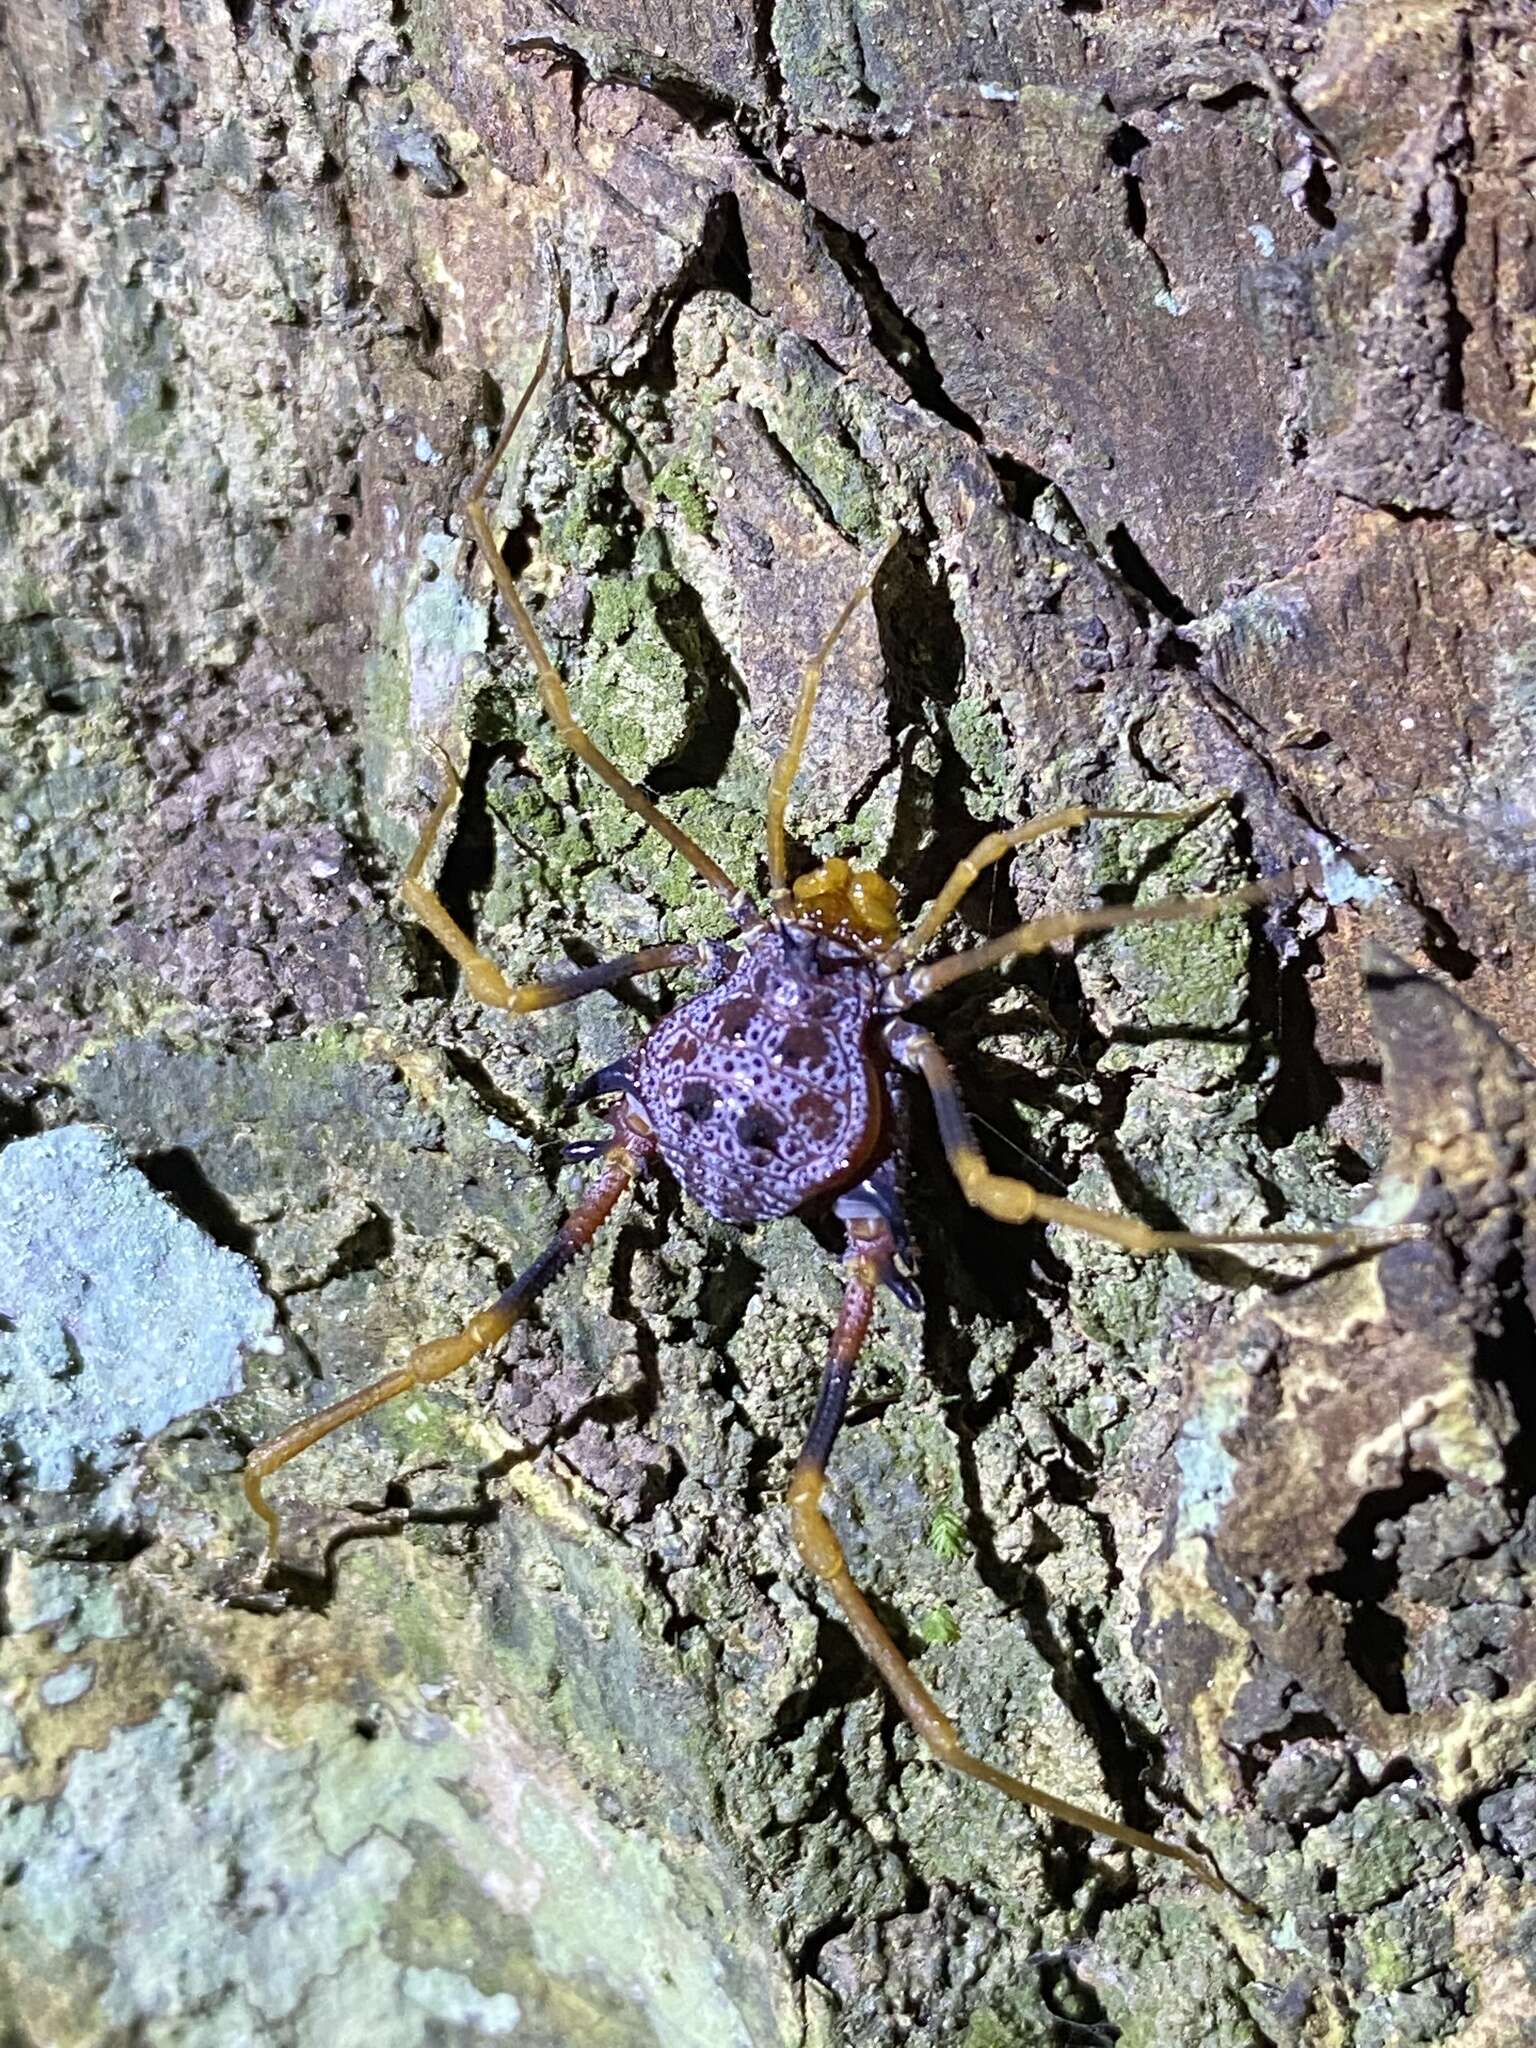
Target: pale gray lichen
[
  {"x": 119, "y": 1315},
  {"x": 436, "y": 1884}
]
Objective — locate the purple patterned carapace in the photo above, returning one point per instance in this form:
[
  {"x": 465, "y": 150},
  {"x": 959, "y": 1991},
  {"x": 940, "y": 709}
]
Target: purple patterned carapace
[{"x": 762, "y": 1092}]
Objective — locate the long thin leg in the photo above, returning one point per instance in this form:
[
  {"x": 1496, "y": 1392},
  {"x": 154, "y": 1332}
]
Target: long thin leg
[
  {"x": 870, "y": 1252},
  {"x": 1015, "y": 1201},
  {"x": 1041, "y": 932},
  {"x": 626, "y": 1158},
  {"x": 787, "y": 766},
  {"x": 552, "y": 693},
  {"x": 484, "y": 979},
  {"x": 992, "y": 849}
]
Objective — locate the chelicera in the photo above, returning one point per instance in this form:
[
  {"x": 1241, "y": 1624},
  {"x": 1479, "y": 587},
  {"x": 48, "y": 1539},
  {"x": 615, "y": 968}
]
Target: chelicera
[{"x": 778, "y": 1090}]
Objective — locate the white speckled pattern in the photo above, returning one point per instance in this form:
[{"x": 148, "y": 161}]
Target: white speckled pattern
[{"x": 761, "y": 1091}]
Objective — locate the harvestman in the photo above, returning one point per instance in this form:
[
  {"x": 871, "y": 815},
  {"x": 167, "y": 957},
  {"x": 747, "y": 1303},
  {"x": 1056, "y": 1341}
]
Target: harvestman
[{"x": 777, "y": 1090}]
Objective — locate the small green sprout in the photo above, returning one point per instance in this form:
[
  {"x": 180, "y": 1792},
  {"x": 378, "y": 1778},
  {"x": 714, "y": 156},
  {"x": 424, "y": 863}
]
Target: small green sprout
[
  {"x": 939, "y": 1626},
  {"x": 946, "y": 1534}
]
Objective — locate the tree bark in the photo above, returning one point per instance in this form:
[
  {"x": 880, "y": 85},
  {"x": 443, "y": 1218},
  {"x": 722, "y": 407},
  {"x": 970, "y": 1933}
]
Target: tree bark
[{"x": 1190, "y": 361}]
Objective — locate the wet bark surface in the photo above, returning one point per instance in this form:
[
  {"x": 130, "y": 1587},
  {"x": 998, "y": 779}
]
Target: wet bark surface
[{"x": 1191, "y": 361}]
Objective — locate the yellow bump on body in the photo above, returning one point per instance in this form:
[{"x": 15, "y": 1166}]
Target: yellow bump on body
[{"x": 851, "y": 902}]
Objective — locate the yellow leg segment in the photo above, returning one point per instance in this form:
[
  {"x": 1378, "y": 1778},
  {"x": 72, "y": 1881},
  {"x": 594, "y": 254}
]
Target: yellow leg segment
[
  {"x": 428, "y": 1362},
  {"x": 820, "y": 1550},
  {"x": 787, "y": 766},
  {"x": 871, "y": 1249},
  {"x": 552, "y": 692},
  {"x": 444, "y": 1355},
  {"x": 1041, "y": 932},
  {"x": 482, "y": 977},
  {"x": 1015, "y": 1201},
  {"x": 987, "y": 852}
]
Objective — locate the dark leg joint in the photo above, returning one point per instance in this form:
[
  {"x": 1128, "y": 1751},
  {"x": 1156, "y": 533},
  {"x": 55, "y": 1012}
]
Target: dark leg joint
[{"x": 615, "y": 1079}]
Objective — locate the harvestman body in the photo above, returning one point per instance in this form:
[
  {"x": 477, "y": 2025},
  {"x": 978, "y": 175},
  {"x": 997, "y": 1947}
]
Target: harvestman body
[{"x": 777, "y": 1089}]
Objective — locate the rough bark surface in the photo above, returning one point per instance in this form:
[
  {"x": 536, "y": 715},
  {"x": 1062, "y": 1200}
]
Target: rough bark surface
[{"x": 1193, "y": 362}]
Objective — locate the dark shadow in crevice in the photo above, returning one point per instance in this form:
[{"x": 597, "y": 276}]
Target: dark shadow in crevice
[
  {"x": 1376, "y": 1641},
  {"x": 704, "y": 754},
  {"x": 1135, "y": 1763},
  {"x": 729, "y": 1285},
  {"x": 1504, "y": 1357},
  {"x": 478, "y": 1078},
  {"x": 894, "y": 585},
  {"x": 1136, "y": 571},
  {"x": 1303, "y": 1090},
  {"x": 364, "y": 1249},
  {"x": 1125, "y": 145},
  {"x": 562, "y": 57},
  {"x": 1086, "y": 2024},
  {"x": 110, "y": 1544},
  {"x": 311, "y": 1587},
  {"x": 642, "y": 1234},
  {"x": 724, "y": 261},
  {"x": 1441, "y": 943},
  {"x": 1173, "y": 651},
  {"x": 179, "y": 1177},
  {"x": 1022, "y": 485},
  {"x": 18, "y": 1111},
  {"x": 894, "y": 332},
  {"x": 1306, "y": 1722},
  {"x": 1245, "y": 92},
  {"x": 938, "y": 817},
  {"x": 692, "y": 101},
  {"x": 468, "y": 864},
  {"x": 1317, "y": 196},
  {"x": 1231, "y": 1267},
  {"x": 478, "y": 1513},
  {"x": 989, "y": 1269},
  {"x": 1458, "y": 328}
]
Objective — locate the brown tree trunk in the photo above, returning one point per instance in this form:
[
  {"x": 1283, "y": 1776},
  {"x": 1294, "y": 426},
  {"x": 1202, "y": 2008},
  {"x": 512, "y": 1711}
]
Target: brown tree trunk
[{"x": 1191, "y": 359}]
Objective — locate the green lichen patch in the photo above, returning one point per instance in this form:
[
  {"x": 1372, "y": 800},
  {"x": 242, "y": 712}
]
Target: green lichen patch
[
  {"x": 1401, "y": 1943},
  {"x": 1183, "y": 983},
  {"x": 979, "y": 734},
  {"x": 640, "y": 671},
  {"x": 678, "y": 483},
  {"x": 1379, "y": 1849},
  {"x": 818, "y": 420},
  {"x": 1170, "y": 1976}
]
